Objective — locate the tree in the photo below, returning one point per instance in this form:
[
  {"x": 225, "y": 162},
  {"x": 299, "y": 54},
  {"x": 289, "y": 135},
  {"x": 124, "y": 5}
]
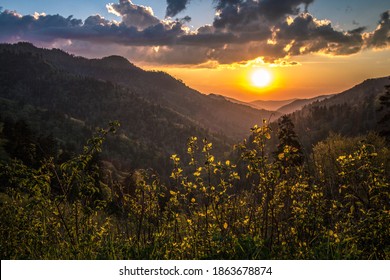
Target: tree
[
  {"x": 289, "y": 151},
  {"x": 21, "y": 141},
  {"x": 3, "y": 154},
  {"x": 384, "y": 122}
]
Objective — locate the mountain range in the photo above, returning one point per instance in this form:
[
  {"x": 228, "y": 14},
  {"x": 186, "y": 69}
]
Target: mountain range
[
  {"x": 278, "y": 106},
  {"x": 67, "y": 97},
  {"x": 298, "y": 104},
  {"x": 350, "y": 113},
  {"x": 157, "y": 87}
]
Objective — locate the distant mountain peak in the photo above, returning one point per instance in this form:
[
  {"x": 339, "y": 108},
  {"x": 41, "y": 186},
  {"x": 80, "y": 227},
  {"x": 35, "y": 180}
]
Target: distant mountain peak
[
  {"x": 26, "y": 44},
  {"x": 272, "y": 105},
  {"x": 298, "y": 104},
  {"x": 117, "y": 62}
]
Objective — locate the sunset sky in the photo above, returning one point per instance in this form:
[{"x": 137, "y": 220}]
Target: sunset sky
[{"x": 307, "y": 47}]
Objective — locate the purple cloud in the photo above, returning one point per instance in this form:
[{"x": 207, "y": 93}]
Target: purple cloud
[{"x": 242, "y": 31}]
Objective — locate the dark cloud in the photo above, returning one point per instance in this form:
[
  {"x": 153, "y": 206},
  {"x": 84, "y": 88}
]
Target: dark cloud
[
  {"x": 176, "y": 6},
  {"x": 306, "y": 27},
  {"x": 232, "y": 13},
  {"x": 237, "y": 15},
  {"x": 308, "y": 35},
  {"x": 184, "y": 55},
  {"x": 358, "y": 30},
  {"x": 381, "y": 36},
  {"x": 242, "y": 30},
  {"x": 185, "y": 19},
  {"x": 95, "y": 28},
  {"x": 38, "y": 27},
  {"x": 221, "y": 4},
  {"x": 210, "y": 40},
  {"x": 275, "y": 9},
  {"x": 240, "y": 53}
]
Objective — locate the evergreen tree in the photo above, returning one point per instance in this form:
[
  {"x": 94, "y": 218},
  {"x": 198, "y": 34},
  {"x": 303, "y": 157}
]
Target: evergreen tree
[
  {"x": 289, "y": 150},
  {"x": 21, "y": 142},
  {"x": 384, "y": 122},
  {"x": 3, "y": 154}
]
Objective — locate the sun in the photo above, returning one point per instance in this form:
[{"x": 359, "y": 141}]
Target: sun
[{"x": 261, "y": 78}]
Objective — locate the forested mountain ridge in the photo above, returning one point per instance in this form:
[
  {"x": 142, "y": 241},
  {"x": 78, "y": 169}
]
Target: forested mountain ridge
[
  {"x": 89, "y": 92},
  {"x": 271, "y": 104},
  {"x": 279, "y": 107},
  {"x": 103, "y": 199},
  {"x": 368, "y": 90},
  {"x": 159, "y": 88},
  {"x": 69, "y": 106},
  {"x": 350, "y": 113},
  {"x": 298, "y": 104}
]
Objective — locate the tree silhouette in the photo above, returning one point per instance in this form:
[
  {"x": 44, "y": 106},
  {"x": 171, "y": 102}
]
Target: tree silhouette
[
  {"x": 384, "y": 122},
  {"x": 289, "y": 151}
]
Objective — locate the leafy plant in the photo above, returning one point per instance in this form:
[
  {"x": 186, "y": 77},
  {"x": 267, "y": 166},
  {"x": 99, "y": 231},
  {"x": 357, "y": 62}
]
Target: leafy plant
[{"x": 254, "y": 207}]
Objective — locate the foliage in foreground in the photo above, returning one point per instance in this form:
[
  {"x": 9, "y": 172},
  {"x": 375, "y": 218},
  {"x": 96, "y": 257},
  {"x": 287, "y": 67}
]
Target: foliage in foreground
[{"x": 256, "y": 207}]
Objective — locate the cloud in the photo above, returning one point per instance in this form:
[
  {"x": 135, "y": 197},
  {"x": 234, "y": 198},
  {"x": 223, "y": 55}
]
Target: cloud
[
  {"x": 176, "y": 6},
  {"x": 306, "y": 34},
  {"x": 243, "y": 30},
  {"x": 179, "y": 55},
  {"x": 14, "y": 26},
  {"x": 133, "y": 15},
  {"x": 380, "y": 38},
  {"x": 235, "y": 13},
  {"x": 275, "y": 9},
  {"x": 96, "y": 20},
  {"x": 253, "y": 20}
]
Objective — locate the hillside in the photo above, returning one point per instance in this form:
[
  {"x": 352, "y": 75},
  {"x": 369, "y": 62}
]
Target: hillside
[
  {"x": 298, "y": 104},
  {"x": 68, "y": 106},
  {"x": 273, "y": 105},
  {"x": 233, "y": 100},
  {"x": 349, "y": 113},
  {"x": 158, "y": 88},
  {"x": 155, "y": 108},
  {"x": 121, "y": 196}
]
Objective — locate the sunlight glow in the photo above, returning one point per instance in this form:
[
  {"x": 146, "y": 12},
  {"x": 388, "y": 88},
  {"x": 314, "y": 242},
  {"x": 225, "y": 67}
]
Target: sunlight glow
[{"x": 261, "y": 78}]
